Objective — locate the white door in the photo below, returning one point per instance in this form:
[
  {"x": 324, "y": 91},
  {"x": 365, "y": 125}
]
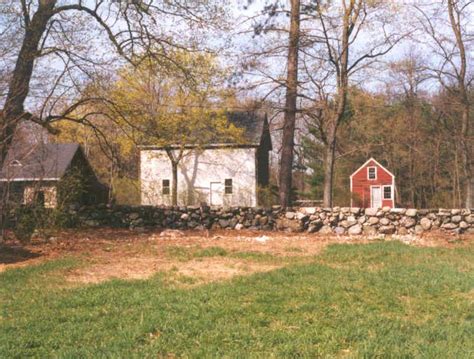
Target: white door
[
  {"x": 217, "y": 194},
  {"x": 376, "y": 197}
]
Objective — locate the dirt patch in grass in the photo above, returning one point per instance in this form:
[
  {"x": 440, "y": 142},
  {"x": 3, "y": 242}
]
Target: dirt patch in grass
[{"x": 202, "y": 256}]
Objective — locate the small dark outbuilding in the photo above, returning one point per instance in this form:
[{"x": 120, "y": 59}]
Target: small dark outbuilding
[{"x": 51, "y": 174}]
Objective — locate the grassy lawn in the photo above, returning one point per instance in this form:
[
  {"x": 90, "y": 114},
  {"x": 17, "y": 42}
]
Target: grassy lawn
[{"x": 382, "y": 299}]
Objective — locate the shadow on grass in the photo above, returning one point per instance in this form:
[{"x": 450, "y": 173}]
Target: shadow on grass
[{"x": 10, "y": 254}]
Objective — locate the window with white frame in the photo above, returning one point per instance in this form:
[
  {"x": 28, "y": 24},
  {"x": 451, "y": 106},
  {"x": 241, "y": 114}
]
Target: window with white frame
[
  {"x": 372, "y": 173},
  {"x": 387, "y": 192}
]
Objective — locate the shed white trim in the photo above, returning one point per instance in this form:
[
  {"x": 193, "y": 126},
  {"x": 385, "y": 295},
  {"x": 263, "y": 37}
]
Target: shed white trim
[{"x": 367, "y": 162}]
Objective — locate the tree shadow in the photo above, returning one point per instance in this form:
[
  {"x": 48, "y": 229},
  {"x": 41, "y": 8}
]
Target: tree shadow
[{"x": 10, "y": 254}]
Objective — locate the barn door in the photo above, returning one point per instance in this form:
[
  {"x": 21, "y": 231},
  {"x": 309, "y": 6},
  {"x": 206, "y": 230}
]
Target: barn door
[
  {"x": 376, "y": 197},
  {"x": 217, "y": 194}
]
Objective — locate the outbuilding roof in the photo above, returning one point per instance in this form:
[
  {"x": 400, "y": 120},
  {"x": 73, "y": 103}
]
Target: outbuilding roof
[{"x": 46, "y": 162}]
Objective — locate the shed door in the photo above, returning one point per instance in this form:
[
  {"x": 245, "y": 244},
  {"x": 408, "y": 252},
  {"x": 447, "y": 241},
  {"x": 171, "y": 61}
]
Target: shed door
[
  {"x": 376, "y": 197},
  {"x": 217, "y": 194}
]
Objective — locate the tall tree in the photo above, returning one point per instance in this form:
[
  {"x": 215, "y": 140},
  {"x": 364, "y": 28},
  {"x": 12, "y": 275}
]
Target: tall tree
[
  {"x": 452, "y": 70},
  {"x": 288, "y": 141}
]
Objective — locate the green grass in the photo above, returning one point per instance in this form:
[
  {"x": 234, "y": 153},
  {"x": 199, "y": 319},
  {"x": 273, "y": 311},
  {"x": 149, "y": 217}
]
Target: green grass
[{"x": 377, "y": 300}]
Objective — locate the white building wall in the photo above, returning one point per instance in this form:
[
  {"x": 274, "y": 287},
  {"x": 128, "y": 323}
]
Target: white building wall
[{"x": 201, "y": 177}]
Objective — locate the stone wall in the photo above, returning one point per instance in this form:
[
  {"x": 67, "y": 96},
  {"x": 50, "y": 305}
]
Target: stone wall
[{"x": 352, "y": 221}]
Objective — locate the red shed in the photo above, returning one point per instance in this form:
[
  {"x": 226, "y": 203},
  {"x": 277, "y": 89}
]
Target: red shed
[{"x": 372, "y": 186}]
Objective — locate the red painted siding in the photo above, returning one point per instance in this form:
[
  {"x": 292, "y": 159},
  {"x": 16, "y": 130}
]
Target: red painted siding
[{"x": 361, "y": 185}]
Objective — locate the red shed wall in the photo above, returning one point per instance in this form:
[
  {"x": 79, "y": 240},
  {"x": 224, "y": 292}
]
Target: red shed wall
[{"x": 361, "y": 186}]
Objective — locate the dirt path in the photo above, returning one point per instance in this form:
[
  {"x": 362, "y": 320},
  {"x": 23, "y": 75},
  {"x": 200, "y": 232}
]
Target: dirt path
[{"x": 192, "y": 257}]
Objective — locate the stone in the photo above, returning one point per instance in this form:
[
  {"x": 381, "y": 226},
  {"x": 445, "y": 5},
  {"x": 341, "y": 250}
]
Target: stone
[
  {"x": 362, "y": 219},
  {"x": 368, "y": 230},
  {"x": 325, "y": 230},
  {"x": 387, "y": 229},
  {"x": 290, "y": 215},
  {"x": 310, "y": 210},
  {"x": 402, "y": 231},
  {"x": 288, "y": 225},
  {"x": 224, "y": 223},
  {"x": 408, "y": 222},
  {"x": 355, "y": 230},
  {"x": 384, "y": 221},
  {"x": 339, "y": 230},
  {"x": 373, "y": 221},
  {"x": 355, "y": 210},
  {"x": 470, "y": 219},
  {"x": 133, "y": 216},
  {"x": 371, "y": 211},
  {"x": 398, "y": 210},
  {"x": 455, "y": 212},
  {"x": 465, "y": 211},
  {"x": 184, "y": 216},
  {"x": 411, "y": 212},
  {"x": 463, "y": 225},
  {"x": 386, "y": 209},
  {"x": 301, "y": 216},
  {"x": 239, "y": 226},
  {"x": 449, "y": 226},
  {"x": 419, "y": 229},
  {"x": 425, "y": 223},
  {"x": 456, "y": 219}
]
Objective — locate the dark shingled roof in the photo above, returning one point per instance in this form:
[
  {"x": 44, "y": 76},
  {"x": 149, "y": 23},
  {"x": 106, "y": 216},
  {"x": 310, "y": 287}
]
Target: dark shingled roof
[
  {"x": 252, "y": 122},
  {"x": 38, "y": 162}
]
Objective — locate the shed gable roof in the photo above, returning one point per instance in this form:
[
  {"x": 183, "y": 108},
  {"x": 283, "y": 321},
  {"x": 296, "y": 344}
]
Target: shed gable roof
[
  {"x": 376, "y": 163},
  {"x": 39, "y": 162}
]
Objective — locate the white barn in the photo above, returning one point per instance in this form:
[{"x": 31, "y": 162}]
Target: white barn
[{"x": 218, "y": 174}]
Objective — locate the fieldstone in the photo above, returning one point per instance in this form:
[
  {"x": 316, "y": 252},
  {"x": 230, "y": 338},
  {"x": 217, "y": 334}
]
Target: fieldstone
[
  {"x": 432, "y": 216},
  {"x": 325, "y": 230},
  {"x": 91, "y": 223},
  {"x": 133, "y": 216},
  {"x": 371, "y": 211},
  {"x": 398, "y": 210},
  {"x": 463, "y": 225},
  {"x": 239, "y": 226},
  {"x": 386, "y": 209},
  {"x": 470, "y": 219},
  {"x": 290, "y": 215},
  {"x": 425, "y": 223},
  {"x": 301, "y": 216},
  {"x": 456, "y": 219},
  {"x": 355, "y": 230},
  {"x": 408, "y": 222},
  {"x": 384, "y": 221},
  {"x": 368, "y": 230},
  {"x": 402, "y": 231},
  {"x": 355, "y": 210},
  {"x": 449, "y": 226},
  {"x": 184, "y": 216},
  {"x": 339, "y": 230},
  {"x": 362, "y": 219},
  {"x": 419, "y": 229},
  {"x": 387, "y": 229},
  {"x": 411, "y": 212},
  {"x": 373, "y": 221},
  {"x": 444, "y": 212},
  {"x": 455, "y": 212},
  {"x": 466, "y": 212},
  {"x": 310, "y": 210}
]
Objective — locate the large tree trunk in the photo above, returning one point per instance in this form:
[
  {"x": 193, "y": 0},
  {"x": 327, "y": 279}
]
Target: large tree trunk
[
  {"x": 329, "y": 162},
  {"x": 13, "y": 110},
  {"x": 286, "y": 161},
  {"x": 174, "y": 183},
  {"x": 466, "y": 146}
]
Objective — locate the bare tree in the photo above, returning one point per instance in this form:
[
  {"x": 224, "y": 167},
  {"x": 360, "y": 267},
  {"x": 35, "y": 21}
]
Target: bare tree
[
  {"x": 452, "y": 70},
  {"x": 288, "y": 141}
]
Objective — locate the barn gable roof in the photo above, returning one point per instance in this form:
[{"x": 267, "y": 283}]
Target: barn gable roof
[
  {"x": 38, "y": 162},
  {"x": 371, "y": 159}
]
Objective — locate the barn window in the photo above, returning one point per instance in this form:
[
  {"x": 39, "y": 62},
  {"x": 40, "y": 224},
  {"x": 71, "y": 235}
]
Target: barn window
[
  {"x": 387, "y": 192},
  {"x": 228, "y": 186},
  {"x": 165, "y": 187},
  {"x": 372, "y": 173}
]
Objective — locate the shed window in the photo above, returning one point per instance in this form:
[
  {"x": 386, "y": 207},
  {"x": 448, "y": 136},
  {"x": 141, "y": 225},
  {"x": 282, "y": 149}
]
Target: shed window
[
  {"x": 165, "y": 186},
  {"x": 228, "y": 186},
  {"x": 372, "y": 173},
  {"x": 387, "y": 192}
]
